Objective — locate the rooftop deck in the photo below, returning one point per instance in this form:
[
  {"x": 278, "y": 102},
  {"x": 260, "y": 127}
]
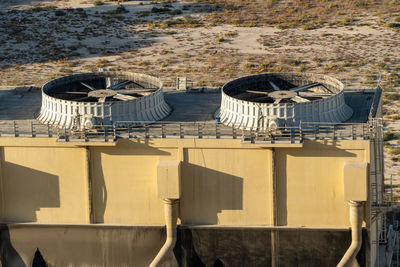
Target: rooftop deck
[{"x": 192, "y": 117}]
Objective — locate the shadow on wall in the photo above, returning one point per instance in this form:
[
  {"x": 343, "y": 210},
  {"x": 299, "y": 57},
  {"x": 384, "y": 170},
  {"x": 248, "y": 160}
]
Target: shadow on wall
[
  {"x": 311, "y": 150},
  {"x": 27, "y": 190},
  {"x": 206, "y": 192},
  {"x": 125, "y": 147},
  {"x": 223, "y": 247}
]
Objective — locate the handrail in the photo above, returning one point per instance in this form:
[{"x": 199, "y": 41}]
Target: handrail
[{"x": 202, "y": 129}]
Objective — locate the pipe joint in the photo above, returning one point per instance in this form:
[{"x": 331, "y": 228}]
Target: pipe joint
[
  {"x": 170, "y": 201},
  {"x": 356, "y": 203}
]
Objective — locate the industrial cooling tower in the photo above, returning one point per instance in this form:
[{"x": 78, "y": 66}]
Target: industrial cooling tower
[
  {"x": 271, "y": 100},
  {"x": 82, "y": 101}
]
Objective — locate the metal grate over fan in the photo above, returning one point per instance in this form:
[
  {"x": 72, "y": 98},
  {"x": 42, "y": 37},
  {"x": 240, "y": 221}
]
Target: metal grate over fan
[
  {"x": 296, "y": 94},
  {"x": 122, "y": 91}
]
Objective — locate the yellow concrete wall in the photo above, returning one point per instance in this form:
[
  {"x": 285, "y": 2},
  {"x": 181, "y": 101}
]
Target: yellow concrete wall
[
  {"x": 223, "y": 181},
  {"x": 125, "y": 183},
  {"x": 310, "y": 183},
  {"x": 226, "y": 186},
  {"x": 44, "y": 184}
]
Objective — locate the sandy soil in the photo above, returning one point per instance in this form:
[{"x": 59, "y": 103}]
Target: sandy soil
[{"x": 41, "y": 40}]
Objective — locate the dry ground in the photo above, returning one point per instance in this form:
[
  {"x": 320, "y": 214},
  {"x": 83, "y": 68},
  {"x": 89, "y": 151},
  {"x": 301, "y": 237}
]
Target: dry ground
[{"x": 210, "y": 42}]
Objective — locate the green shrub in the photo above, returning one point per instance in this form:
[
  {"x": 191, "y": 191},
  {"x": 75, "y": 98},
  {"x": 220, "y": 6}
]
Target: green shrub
[
  {"x": 395, "y": 151},
  {"x": 393, "y": 25},
  {"x": 98, "y": 3},
  {"x": 387, "y": 136},
  {"x": 392, "y": 96},
  {"x": 160, "y": 9},
  {"x": 175, "y": 12}
]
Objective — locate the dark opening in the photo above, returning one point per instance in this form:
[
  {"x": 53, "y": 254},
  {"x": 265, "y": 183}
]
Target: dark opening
[
  {"x": 218, "y": 263},
  {"x": 38, "y": 260}
]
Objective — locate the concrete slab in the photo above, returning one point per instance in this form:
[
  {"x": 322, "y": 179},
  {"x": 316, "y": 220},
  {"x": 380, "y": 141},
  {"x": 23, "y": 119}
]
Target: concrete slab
[
  {"x": 188, "y": 107},
  {"x": 23, "y": 103}
]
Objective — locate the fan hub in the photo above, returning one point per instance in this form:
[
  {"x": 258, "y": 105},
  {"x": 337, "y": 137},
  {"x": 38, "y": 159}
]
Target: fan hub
[
  {"x": 283, "y": 94},
  {"x": 102, "y": 93}
]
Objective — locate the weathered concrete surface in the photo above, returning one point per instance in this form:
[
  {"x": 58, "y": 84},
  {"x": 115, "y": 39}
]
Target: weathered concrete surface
[
  {"x": 105, "y": 245},
  {"x": 192, "y": 106},
  {"x": 80, "y": 245},
  {"x": 21, "y": 103}
]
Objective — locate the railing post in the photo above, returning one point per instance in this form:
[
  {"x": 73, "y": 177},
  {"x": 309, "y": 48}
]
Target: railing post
[
  {"x": 129, "y": 130},
  {"x": 291, "y": 135},
  {"x": 146, "y": 131},
  {"x": 334, "y": 132},
  {"x": 49, "y": 131},
  {"x": 33, "y": 129},
  {"x": 105, "y": 133},
  {"x": 234, "y": 134},
  {"x": 252, "y": 136},
  {"x": 217, "y": 133},
  {"x": 181, "y": 131},
  {"x": 199, "y": 131},
  {"x": 85, "y": 135},
  {"x": 301, "y": 133},
  {"x": 66, "y": 135},
  {"x": 363, "y": 131},
  {"x": 16, "y": 133},
  {"x": 353, "y": 136},
  {"x": 163, "y": 134}
]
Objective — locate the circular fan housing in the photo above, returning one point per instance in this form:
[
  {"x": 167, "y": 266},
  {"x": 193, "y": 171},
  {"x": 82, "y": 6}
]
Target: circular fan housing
[
  {"x": 82, "y": 101},
  {"x": 282, "y": 99}
]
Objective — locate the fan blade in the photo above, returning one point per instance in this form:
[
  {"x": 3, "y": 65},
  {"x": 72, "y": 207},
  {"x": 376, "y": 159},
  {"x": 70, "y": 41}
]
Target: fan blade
[
  {"x": 313, "y": 94},
  {"x": 124, "y": 97},
  {"x": 81, "y": 98},
  {"x": 77, "y": 93},
  {"x": 278, "y": 100},
  {"x": 257, "y": 92},
  {"x": 72, "y": 93},
  {"x": 130, "y": 91},
  {"x": 102, "y": 100},
  {"x": 299, "y": 99},
  {"x": 145, "y": 93},
  {"x": 88, "y": 86},
  {"x": 141, "y": 86},
  {"x": 276, "y": 88},
  {"x": 260, "y": 98},
  {"x": 118, "y": 85},
  {"x": 304, "y": 87}
]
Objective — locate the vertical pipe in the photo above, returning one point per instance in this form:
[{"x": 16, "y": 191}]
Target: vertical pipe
[
  {"x": 356, "y": 219},
  {"x": 274, "y": 231},
  {"x": 89, "y": 181},
  {"x": 171, "y": 216}
]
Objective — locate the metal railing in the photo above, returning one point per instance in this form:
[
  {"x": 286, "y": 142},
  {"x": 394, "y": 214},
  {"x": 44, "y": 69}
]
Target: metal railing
[{"x": 136, "y": 129}]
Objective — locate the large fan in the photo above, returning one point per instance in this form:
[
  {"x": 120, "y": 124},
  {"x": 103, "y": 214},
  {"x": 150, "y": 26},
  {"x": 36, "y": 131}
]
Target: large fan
[
  {"x": 116, "y": 91},
  {"x": 295, "y": 94}
]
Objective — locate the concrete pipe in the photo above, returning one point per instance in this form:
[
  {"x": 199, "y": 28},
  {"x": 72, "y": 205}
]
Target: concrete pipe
[
  {"x": 356, "y": 219},
  {"x": 171, "y": 217}
]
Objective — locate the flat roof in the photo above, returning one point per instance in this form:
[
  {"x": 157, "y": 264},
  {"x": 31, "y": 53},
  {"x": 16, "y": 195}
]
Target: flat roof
[{"x": 23, "y": 103}]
